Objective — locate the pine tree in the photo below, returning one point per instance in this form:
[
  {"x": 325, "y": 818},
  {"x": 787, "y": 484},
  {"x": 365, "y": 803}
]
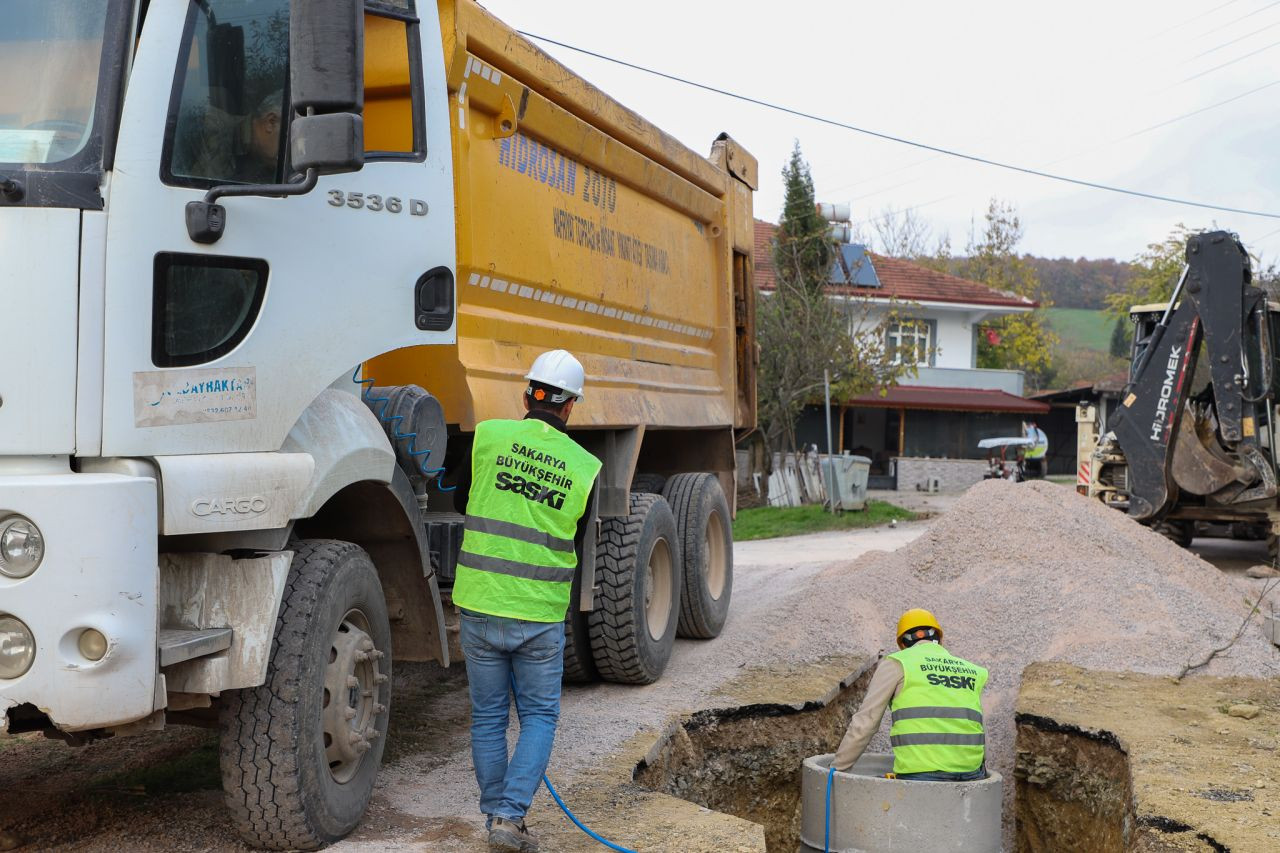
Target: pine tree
[
  {"x": 801, "y": 330},
  {"x": 1120, "y": 338},
  {"x": 803, "y": 250}
]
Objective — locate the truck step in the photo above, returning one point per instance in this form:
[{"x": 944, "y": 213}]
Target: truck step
[{"x": 181, "y": 644}]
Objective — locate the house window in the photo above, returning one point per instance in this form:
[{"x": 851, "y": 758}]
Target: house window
[{"x": 911, "y": 342}]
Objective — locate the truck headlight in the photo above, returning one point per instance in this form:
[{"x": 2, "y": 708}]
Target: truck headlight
[
  {"x": 17, "y": 647},
  {"x": 21, "y": 546}
]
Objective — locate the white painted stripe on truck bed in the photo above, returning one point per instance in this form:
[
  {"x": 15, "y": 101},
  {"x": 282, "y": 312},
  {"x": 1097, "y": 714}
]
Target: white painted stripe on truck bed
[{"x": 570, "y": 303}]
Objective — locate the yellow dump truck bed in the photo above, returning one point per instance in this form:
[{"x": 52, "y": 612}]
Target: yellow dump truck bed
[{"x": 581, "y": 225}]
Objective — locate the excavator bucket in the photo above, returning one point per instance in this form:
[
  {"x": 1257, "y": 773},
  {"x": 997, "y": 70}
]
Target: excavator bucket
[{"x": 1200, "y": 466}]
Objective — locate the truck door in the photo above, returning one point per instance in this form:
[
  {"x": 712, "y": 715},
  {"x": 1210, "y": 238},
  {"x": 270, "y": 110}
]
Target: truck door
[{"x": 219, "y": 348}]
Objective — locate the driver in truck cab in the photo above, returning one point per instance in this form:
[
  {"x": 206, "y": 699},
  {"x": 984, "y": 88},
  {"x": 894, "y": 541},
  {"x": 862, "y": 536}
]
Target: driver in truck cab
[
  {"x": 239, "y": 148},
  {"x": 526, "y": 501},
  {"x": 935, "y": 701}
]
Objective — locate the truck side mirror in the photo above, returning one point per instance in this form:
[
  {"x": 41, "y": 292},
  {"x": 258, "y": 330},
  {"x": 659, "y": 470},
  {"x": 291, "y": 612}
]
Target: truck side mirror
[
  {"x": 326, "y": 56},
  {"x": 330, "y": 144}
]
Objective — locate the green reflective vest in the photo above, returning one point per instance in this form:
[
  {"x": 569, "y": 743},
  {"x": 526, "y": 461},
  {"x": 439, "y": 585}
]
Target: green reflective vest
[
  {"x": 937, "y": 715},
  {"x": 529, "y": 488}
]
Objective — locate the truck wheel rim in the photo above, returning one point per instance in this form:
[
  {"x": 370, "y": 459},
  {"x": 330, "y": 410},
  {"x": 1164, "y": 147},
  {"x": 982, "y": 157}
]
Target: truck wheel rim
[
  {"x": 350, "y": 702},
  {"x": 717, "y": 556},
  {"x": 658, "y": 591}
]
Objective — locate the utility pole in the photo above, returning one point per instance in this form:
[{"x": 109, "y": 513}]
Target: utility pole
[{"x": 831, "y": 460}]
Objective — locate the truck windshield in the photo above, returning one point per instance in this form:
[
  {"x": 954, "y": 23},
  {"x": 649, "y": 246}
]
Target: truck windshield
[{"x": 50, "y": 56}]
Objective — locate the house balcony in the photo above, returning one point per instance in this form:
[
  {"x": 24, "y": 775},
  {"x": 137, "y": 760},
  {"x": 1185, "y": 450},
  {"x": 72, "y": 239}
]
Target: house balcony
[{"x": 1008, "y": 381}]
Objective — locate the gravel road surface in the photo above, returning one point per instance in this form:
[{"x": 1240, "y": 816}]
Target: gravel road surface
[{"x": 111, "y": 796}]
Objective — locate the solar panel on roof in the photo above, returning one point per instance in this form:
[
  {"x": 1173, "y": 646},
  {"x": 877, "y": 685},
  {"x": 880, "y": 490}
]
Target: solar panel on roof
[{"x": 853, "y": 266}]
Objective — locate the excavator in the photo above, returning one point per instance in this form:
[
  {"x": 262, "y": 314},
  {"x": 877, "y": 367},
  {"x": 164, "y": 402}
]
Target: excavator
[{"x": 1191, "y": 447}]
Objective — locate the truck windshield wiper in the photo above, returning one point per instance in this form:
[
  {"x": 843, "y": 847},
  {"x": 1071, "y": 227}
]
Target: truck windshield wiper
[{"x": 11, "y": 189}]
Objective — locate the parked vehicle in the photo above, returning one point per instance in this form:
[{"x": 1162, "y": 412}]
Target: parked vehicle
[{"x": 266, "y": 265}]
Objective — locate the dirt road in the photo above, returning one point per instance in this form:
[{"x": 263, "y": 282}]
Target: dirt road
[{"x": 160, "y": 792}]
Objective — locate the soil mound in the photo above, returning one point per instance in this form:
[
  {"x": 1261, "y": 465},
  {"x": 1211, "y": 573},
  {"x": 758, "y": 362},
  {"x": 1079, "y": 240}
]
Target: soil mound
[{"x": 1018, "y": 573}]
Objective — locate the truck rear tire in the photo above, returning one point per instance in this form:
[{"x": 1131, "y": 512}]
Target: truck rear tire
[
  {"x": 706, "y": 541},
  {"x": 633, "y": 626},
  {"x": 300, "y": 753},
  {"x": 651, "y": 483}
]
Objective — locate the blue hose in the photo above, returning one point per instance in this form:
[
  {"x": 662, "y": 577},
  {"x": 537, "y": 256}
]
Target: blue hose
[
  {"x": 559, "y": 802},
  {"x": 826, "y": 832},
  {"x": 578, "y": 823}
]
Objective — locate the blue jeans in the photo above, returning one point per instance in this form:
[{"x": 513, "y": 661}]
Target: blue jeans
[{"x": 497, "y": 648}]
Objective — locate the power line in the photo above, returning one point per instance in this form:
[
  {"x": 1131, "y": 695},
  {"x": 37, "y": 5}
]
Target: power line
[
  {"x": 1234, "y": 40},
  {"x": 901, "y": 140},
  {"x": 1231, "y": 62},
  {"x": 1238, "y": 20},
  {"x": 1194, "y": 19},
  {"x": 1201, "y": 110}
]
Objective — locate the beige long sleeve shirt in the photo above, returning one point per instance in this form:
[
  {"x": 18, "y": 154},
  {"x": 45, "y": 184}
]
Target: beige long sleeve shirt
[{"x": 885, "y": 684}]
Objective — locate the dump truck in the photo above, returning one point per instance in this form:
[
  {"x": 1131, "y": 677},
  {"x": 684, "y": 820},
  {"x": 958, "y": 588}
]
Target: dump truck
[
  {"x": 265, "y": 266},
  {"x": 1190, "y": 449}
]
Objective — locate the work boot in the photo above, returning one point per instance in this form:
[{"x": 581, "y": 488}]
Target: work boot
[{"x": 508, "y": 835}]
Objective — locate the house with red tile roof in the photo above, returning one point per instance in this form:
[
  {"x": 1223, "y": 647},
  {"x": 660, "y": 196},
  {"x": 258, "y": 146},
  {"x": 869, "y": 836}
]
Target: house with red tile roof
[{"x": 950, "y": 404}]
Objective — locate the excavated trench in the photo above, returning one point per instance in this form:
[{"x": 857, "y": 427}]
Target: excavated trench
[
  {"x": 746, "y": 761},
  {"x": 1075, "y": 793}
]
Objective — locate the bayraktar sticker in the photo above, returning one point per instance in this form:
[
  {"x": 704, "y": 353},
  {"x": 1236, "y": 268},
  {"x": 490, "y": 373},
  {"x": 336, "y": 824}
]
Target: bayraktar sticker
[{"x": 173, "y": 397}]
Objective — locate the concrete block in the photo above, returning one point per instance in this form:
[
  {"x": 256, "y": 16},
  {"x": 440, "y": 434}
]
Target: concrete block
[
  {"x": 1271, "y": 627},
  {"x": 872, "y": 814}
]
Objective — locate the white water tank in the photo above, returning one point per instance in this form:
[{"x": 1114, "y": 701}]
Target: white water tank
[
  {"x": 872, "y": 814},
  {"x": 834, "y": 212}
]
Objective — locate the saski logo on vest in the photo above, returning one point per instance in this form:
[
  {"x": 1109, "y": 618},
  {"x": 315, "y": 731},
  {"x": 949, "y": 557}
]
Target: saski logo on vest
[{"x": 548, "y": 488}]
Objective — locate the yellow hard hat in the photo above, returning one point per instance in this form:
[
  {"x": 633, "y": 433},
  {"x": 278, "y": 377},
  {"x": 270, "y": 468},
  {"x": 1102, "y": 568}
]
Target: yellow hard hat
[{"x": 917, "y": 618}]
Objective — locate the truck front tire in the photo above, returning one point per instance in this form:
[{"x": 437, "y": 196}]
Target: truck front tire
[
  {"x": 706, "y": 541},
  {"x": 638, "y": 572},
  {"x": 300, "y": 753}
]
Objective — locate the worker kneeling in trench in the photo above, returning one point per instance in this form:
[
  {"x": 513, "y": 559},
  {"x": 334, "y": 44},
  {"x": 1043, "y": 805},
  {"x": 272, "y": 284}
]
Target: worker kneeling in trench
[{"x": 935, "y": 701}]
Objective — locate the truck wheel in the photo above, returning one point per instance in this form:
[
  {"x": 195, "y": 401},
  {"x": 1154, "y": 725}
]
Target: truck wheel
[
  {"x": 706, "y": 541},
  {"x": 579, "y": 668},
  {"x": 300, "y": 753},
  {"x": 651, "y": 483},
  {"x": 633, "y": 626},
  {"x": 1178, "y": 532}
]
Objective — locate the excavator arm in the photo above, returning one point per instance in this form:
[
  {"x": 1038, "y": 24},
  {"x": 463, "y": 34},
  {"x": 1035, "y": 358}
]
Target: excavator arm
[{"x": 1216, "y": 314}]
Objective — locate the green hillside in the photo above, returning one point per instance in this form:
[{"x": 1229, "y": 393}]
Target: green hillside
[{"x": 1082, "y": 328}]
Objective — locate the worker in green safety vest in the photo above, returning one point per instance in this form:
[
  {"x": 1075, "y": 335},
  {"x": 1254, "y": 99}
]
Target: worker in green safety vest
[
  {"x": 1033, "y": 458},
  {"x": 526, "y": 500},
  {"x": 935, "y": 701}
]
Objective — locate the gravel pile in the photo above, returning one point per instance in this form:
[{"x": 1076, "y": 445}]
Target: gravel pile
[{"x": 1018, "y": 573}]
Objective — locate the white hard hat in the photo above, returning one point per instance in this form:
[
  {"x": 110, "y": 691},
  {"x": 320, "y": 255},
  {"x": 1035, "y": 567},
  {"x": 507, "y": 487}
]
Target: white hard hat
[{"x": 559, "y": 369}]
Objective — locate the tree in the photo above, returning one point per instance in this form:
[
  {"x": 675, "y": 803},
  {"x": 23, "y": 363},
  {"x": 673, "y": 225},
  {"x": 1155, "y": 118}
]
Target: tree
[
  {"x": 901, "y": 233},
  {"x": 1120, "y": 338},
  {"x": 1159, "y": 267},
  {"x": 802, "y": 329},
  {"x": 1014, "y": 341},
  {"x": 1156, "y": 273}
]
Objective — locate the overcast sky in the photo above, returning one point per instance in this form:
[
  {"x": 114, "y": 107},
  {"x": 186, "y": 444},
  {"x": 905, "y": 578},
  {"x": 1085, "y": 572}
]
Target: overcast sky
[{"x": 1059, "y": 87}]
